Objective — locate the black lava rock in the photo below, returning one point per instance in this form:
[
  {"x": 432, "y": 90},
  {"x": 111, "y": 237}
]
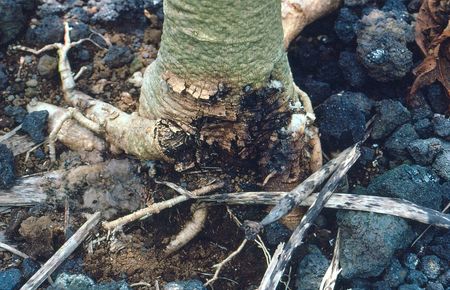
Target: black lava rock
[
  {"x": 395, "y": 274},
  {"x": 49, "y": 30},
  {"x": 424, "y": 128},
  {"x": 10, "y": 279},
  {"x": 423, "y": 151},
  {"x": 390, "y": 115},
  {"x": 381, "y": 285},
  {"x": 345, "y": 25},
  {"x": 80, "y": 281},
  {"x": 115, "y": 11},
  {"x": 441, "y": 246},
  {"x": 411, "y": 182},
  {"x": 276, "y": 233},
  {"x": 352, "y": 3},
  {"x": 431, "y": 266},
  {"x": 78, "y": 13},
  {"x": 16, "y": 112},
  {"x": 437, "y": 98},
  {"x": 352, "y": 70},
  {"x": 382, "y": 46},
  {"x": 185, "y": 285},
  {"x": 305, "y": 55},
  {"x": 396, "y": 145},
  {"x": 310, "y": 271},
  {"x": 35, "y": 125},
  {"x": 3, "y": 77},
  {"x": 29, "y": 267},
  {"x": 118, "y": 56},
  {"x": 318, "y": 91},
  {"x": 368, "y": 242},
  {"x": 434, "y": 286},
  {"x": 411, "y": 261},
  {"x": 416, "y": 277},
  {"x": 441, "y": 126},
  {"x": 12, "y": 20},
  {"x": 7, "y": 175},
  {"x": 409, "y": 287},
  {"x": 341, "y": 121}
]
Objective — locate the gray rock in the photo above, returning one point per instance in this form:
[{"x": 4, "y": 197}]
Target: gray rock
[
  {"x": 423, "y": 151},
  {"x": 369, "y": 241},
  {"x": 445, "y": 278},
  {"x": 10, "y": 279},
  {"x": 396, "y": 145},
  {"x": 47, "y": 65},
  {"x": 184, "y": 285},
  {"x": 7, "y": 175},
  {"x": 440, "y": 246},
  {"x": 435, "y": 286},
  {"x": 82, "y": 282},
  {"x": 431, "y": 266},
  {"x": 390, "y": 115},
  {"x": 31, "y": 83},
  {"x": 416, "y": 277},
  {"x": 411, "y": 182},
  {"x": 441, "y": 126},
  {"x": 355, "y": 2},
  {"x": 310, "y": 271},
  {"x": 395, "y": 274},
  {"x": 442, "y": 165},
  {"x": 35, "y": 125},
  {"x": 118, "y": 56}
]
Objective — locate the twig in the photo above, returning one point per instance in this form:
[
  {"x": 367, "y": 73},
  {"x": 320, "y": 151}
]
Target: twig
[
  {"x": 220, "y": 265},
  {"x": 295, "y": 197},
  {"x": 426, "y": 230},
  {"x": 157, "y": 207},
  {"x": 10, "y": 134},
  {"x": 330, "y": 277},
  {"x": 272, "y": 277},
  {"x": 377, "y": 204},
  {"x": 13, "y": 250},
  {"x": 69, "y": 246}
]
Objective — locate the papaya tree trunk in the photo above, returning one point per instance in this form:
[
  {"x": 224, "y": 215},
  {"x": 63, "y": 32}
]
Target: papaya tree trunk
[{"x": 223, "y": 77}]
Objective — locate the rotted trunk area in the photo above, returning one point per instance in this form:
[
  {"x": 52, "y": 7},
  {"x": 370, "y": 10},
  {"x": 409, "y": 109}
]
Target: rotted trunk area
[{"x": 222, "y": 75}]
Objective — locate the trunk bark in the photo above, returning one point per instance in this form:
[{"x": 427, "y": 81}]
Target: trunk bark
[{"x": 223, "y": 77}]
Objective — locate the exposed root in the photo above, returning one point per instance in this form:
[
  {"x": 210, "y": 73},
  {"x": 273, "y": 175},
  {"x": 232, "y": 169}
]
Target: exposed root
[
  {"x": 190, "y": 230},
  {"x": 296, "y": 14},
  {"x": 75, "y": 136},
  {"x": 157, "y": 207},
  {"x": 143, "y": 138},
  {"x": 220, "y": 265}
]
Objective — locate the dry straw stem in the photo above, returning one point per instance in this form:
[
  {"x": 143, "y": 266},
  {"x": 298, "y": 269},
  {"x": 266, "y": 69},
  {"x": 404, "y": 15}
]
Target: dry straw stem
[
  {"x": 330, "y": 277},
  {"x": 273, "y": 274},
  {"x": 13, "y": 250},
  {"x": 65, "y": 251},
  {"x": 157, "y": 207}
]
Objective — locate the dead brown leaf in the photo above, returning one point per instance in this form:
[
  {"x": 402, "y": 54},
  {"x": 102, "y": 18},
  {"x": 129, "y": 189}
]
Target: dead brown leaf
[{"x": 433, "y": 39}]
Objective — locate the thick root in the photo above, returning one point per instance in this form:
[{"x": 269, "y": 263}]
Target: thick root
[
  {"x": 143, "y": 138},
  {"x": 190, "y": 230},
  {"x": 296, "y": 14}
]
